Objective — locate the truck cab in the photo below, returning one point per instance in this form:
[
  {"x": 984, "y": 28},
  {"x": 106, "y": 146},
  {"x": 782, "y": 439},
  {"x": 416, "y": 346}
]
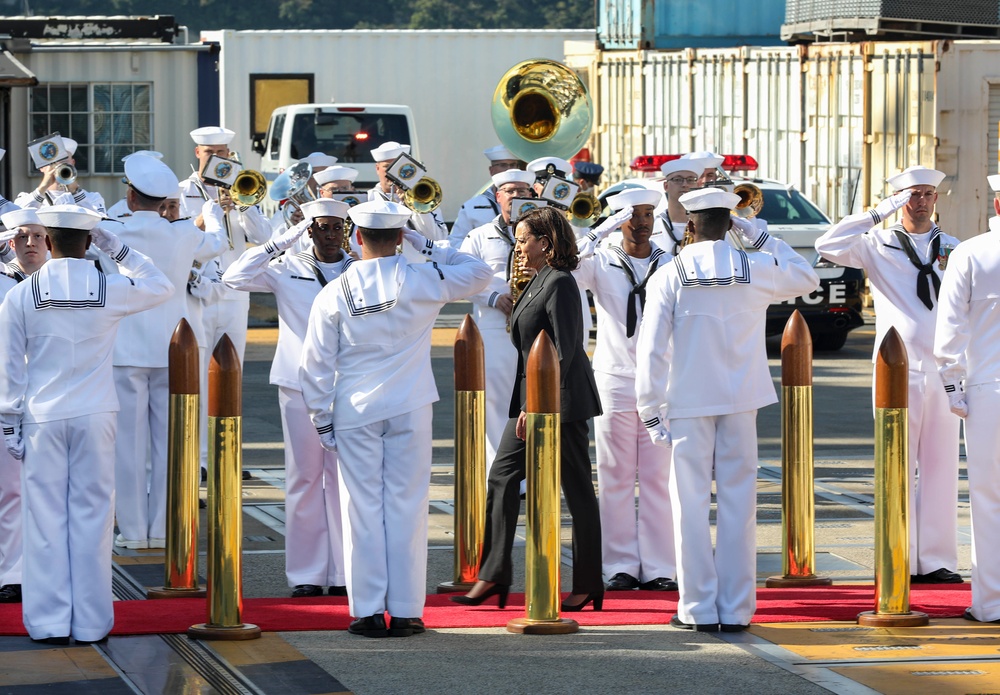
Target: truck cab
[{"x": 346, "y": 131}]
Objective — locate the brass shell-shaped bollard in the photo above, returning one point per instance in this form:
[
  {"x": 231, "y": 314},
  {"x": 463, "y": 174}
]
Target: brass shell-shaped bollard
[
  {"x": 892, "y": 540},
  {"x": 542, "y": 528},
  {"x": 225, "y": 503},
  {"x": 470, "y": 456},
  {"x": 181, "y": 559},
  {"x": 798, "y": 509}
]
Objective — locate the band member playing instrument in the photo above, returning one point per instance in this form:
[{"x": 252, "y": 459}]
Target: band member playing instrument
[
  {"x": 701, "y": 376},
  {"x": 483, "y": 208},
  {"x": 52, "y": 192}
]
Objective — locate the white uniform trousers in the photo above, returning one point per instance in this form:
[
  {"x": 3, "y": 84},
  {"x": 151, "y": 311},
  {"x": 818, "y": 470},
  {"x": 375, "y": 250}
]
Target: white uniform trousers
[
  {"x": 226, "y": 317},
  {"x": 141, "y": 490},
  {"x": 68, "y": 487},
  {"x": 717, "y": 587},
  {"x": 641, "y": 546},
  {"x": 501, "y": 365},
  {"x": 982, "y": 448},
  {"x": 10, "y": 519},
  {"x": 314, "y": 538},
  {"x": 385, "y": 472},
  {"x": 933, "y": 443}
]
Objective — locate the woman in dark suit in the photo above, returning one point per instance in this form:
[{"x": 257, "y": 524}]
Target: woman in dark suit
[{"x": 550, "y": 302}]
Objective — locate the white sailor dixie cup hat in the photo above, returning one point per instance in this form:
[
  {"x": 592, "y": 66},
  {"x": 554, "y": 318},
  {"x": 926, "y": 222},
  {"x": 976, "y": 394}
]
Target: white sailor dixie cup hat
[
  {"x": 19, "y": 218},
  {"x": 709, "y": 199},
  {"x": 540, "y": 166},
  {"x": 144, "y": 153},
  {"x": 69, "y": 217},
  {"x": 212, "y": 135},
  {"x": 513, "y": 176},
  {"x": 705, "y": 159},
  {"x": 632, "y": 197},
  {"x": 499, "y": 153},
  {"x": 70, "y": 144},
  {"x": 379, "y": 214},
  {"x": 150, "y": 176},
  {"x": 388, "y": 151},
  {"x": 680, "y": 164},
  {"x": 325, "y": 207},
  {"x": 916, "y": 176},
  {"x": 335, "y": 173},
  {"x": 319, "y": 159},
  {"x": 994, "y": 182}
]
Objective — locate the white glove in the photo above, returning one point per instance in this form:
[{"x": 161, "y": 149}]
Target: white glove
[
  {"x": 327, "y": 440},
  {"x": 612, "y": 223},
  {"x": 106, "y": 241},
  {"x": 417, "y": 240},
  {"x": 657, "y": 428},
  {"x": 211, "y": 210},
  {"x": 956, "y": 399},
  {"x": 12, "y": 440},
  {"x": 890, "y": 205},
  {"x": 751, "y": 231},
  {"x": 287, "y": 239}
]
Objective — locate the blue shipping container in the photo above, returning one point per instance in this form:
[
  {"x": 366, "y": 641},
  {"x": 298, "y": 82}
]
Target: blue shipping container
[{"x": 655, "y": 24}]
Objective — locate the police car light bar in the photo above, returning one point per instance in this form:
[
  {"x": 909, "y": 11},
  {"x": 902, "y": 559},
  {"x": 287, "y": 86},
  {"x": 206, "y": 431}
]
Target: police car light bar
[{"x": 652, "y": 162}]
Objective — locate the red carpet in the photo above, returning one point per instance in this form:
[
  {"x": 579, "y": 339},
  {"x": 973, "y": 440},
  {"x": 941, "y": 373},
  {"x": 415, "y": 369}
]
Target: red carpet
[{"x": 620, "y": 608}]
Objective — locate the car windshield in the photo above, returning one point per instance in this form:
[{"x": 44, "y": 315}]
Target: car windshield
[
  {"x": 790, "y": 207},
  {"x": 349, "y": 137}
]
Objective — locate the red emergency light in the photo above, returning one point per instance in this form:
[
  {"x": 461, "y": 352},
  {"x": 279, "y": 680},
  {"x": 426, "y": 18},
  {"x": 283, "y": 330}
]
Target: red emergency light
[
  {"x": 351, "y": 109},
  {"x": 651, "y": 163},
  {"x": 361, "y": 136}
]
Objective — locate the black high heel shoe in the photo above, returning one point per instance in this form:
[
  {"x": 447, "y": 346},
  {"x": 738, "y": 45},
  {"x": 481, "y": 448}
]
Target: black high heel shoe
[
  {"x": 498, "y": 590},
  {"x": 597, "y": 597}
]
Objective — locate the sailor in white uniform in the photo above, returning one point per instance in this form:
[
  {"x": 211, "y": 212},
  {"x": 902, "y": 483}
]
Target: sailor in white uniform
[
  {"x": 701, "y": 376},
  {"x": 141, "y": 351},
  {"x": 314, "y": 544},
  {"x": 636, "y": 551},
  {"x": 428, "y": 224},
  {"x": 49, "y": 192},
  {"x": 482, "y": 208},
  {"x": 680, "y": 176},
  {"x": 967, "y": 350},
  {"x": 493, "y": 243},
  {"x": 28, "y": 244},
  {"x": 58, "y": 409},
  {"x": 904, "y": 263},
  {"x": 367, "y": 382},
  {"x": 120, "y": 208}
]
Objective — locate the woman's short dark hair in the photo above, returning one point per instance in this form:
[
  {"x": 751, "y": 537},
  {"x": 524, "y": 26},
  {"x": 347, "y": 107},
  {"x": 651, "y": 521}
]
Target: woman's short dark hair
[{"x": 550, "y": 223}]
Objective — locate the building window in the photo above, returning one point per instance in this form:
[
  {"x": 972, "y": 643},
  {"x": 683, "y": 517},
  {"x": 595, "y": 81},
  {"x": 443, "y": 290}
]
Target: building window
[{"x": 108, "y": 121}]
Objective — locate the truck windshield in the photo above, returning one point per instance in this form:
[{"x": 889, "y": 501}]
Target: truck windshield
[
  {"x": 790, "y": 207},
  {"x": 347, "y": 136}
]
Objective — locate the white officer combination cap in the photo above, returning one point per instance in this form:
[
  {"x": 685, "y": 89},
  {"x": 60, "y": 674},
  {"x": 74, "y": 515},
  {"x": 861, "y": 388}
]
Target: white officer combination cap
[
  {"x": 540, "y": 166},
  {"x": 19, "y": 218},
  {"x": 680, "y": 164},
  {"x": 388, "y": 151},
  {"x": 335, "y": 173},
  {"x": 151, "y": 177},
  {"x": 916, "y": 176},
  {"x": 499, "y": 153},
  {"x": 994, "y": 182},
  {"x": 709, "y": 199},
  {"x": 69, "y": 217},
  {"x": 319, "y": 159},
  {"x": 513, "y": 176},
  {"x": 325, "y": 207},
  {"x": 379, "y": 214},
  {"x": 144, "y": 153},
  {"x": 212, "y": 135},
  {"x": 705, "y": 160},
  {"x": 633, "y": 197}
]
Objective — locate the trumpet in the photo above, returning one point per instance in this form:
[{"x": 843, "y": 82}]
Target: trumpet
[
  {"x": 249, "y": 188},
  {"x": 751, "y": 200},
  {"x": 65, "y": 174},
  {"x": 584, "y": 210}
]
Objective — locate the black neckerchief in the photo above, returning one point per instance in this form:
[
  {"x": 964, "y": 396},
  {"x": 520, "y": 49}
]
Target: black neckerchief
[
  {"x": 505, "y": 235},
  {"x": 491, "y": 198},
  {"x": 669, "y": 224},
  {"x": 927, "y": 280},
  {"x": 310, "y": 260},
  {"x": 638, "y": 288}
]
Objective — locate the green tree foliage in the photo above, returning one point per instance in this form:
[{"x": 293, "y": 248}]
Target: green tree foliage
[{"x": 199, "y": 15}]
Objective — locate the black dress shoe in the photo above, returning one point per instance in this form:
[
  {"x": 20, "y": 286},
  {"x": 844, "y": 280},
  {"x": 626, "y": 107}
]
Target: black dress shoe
[
  {"x": 659, "y": 584},
  {"x": 940, "y": 576},
  {"x": 337, "y": 591},
  {"x": 307, "y": 590},
  {"x": 204, "y": 475},
  {"x": 372, "y": 626},
  {"x": 404, "y": 627},
  {"x": 202, "y": 504},
  {"x": 247, "y": 476},
  {"x": 680, "y": 624},
  {"x": 103, "y": 640},
  {"x": 732, "y": 627},
  {"x": 969, "y": 616},
  {"x": 58, "y": 641},
  {"x": 622, "y": 582},
  {"x": 10, "y": 593}
]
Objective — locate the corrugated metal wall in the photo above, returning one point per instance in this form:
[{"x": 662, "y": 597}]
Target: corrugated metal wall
[{"x": 833, "y": 119}]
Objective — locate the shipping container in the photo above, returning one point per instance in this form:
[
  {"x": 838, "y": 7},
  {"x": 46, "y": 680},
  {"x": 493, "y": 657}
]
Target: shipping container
[
  {"x": 659, "y": 24},
  {"x": 834, "y": 120},
  {"x": 805, "y": 20},
  {"x": 446, "y": 77}
]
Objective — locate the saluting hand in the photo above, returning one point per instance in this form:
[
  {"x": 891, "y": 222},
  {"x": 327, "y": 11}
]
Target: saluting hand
[{"x": 890, "y": 205}]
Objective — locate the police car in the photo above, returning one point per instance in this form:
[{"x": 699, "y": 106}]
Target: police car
[{"x": 834, "y": 309}]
